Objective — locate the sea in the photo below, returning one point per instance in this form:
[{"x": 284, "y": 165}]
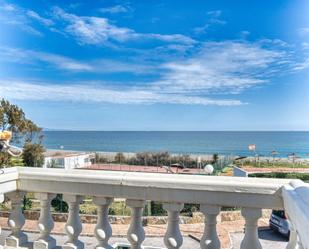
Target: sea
[{"x": 234, "y": 143}]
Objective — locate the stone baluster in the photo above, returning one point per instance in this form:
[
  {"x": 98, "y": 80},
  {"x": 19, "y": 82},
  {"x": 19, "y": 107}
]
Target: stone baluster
[
  {"x": 299, "y": 244},
  {"x": 173, "y": 238},
  {"x": 210, "y": 239},
  {"x": 293, "y": 238},
  {"x": 251, "y": 239},
  {"x": 16, "y": 221},
  {"x": 136, "y": 233},
  {"x": 46, "y": 223},
  {"x": 73, "y": 227},
  {"x": 1, "y": 201},
  {"x": 103, "y": 229}
]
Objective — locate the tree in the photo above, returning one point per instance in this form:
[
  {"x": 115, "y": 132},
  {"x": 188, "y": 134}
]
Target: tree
[
  {"x": 120, "y": 158},
  {"x": 33, "y": 155},
  {"x": 142, "y": 158},
  {"x": 215, "y": 158},
  {"x": 12, "y": 118}
]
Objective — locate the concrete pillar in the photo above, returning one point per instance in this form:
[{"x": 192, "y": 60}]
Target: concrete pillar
[
  {"x": 136, "y": 233},
  {"x": 251, "y": 239},
  {"x": 103, "y": 229},
  {"x": 16, "y": 221},
  {"x": 173, "y": 238},
  {"x": 45, "y": 223},
  {"x": 73, "y": 227},
  {"x": 293, "y": 238},
  {"x": 210, "y": 239}
]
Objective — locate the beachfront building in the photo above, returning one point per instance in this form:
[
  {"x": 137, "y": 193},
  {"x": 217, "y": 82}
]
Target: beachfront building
[
  {"x": 251, "y": 195},
  {"x": 67, "y": 160}
]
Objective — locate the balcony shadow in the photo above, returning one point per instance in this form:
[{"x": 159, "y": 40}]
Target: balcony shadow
[{"x": 271, "y": 235}]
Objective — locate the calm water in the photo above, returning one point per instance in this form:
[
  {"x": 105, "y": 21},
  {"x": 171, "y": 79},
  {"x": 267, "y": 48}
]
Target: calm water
[{"x": 205, "y": 142}]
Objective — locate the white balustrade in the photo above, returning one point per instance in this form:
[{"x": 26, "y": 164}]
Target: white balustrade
[
  {"x": 296, "y": 205},
  {"x": 136, "y": 233},
  {"x": 1, "y": 201},
  {"x": 299, "y": 244},
  {"x": 294, "y": 241},
  {"x": 210, "y": 239},
  {"x": 173, "y": 238},
  {"x": 292, "y": 244},
  {"x": 251, "y": 194},
  {"x": 73, "y": 227},
  {"x": 251, "y": 239},
  {"x": 45, "y": 223},
  {"x": 103, "y": 229},
  {"x": 16, "y": 221}
]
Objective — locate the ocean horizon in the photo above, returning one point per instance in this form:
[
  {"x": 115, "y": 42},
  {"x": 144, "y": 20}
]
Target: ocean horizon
[{"x": 182, "y": 142}]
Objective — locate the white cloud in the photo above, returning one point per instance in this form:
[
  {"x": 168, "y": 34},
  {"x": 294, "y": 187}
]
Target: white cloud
[
  {"x": 22, "y": 18},
  {"x": 305, "y": 45},
  {"x": 21, "y": 25},
  {"x": 214, "y": 13},
  {"x": 304, "y": 31},
  {"x": 212, "y": 19},
  {"x": 31, "y": 56},
  {"x": 244, "y": 34},
  {"x": 201, "y": 29},
  {"x": 115, "y": 9},
  {"x": 302, "y": 66},
  {"x": 86, "y": 93},
  {"x": 42, "y": 20},
  {"x": 8, "y": 7},
  {"x": 228, "y": 66},
  {"x": 98, "y": 30},
  {"x": 216, "y": 67},
  {"x": 64, "y": 63}
]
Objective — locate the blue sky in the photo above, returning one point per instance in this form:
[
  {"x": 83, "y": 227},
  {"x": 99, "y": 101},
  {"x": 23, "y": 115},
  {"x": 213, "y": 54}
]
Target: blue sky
[{"x": 157, "y": 65}]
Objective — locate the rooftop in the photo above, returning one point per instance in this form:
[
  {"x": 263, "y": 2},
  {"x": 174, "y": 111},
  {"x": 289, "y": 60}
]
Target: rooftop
[{"x": 62, "y": 153}]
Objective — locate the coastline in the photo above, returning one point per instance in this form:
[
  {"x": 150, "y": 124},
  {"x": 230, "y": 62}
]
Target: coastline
[{"x": 194, "y": 156}]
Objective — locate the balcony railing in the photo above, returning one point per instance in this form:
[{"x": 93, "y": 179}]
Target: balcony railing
[{"x": 211, "y": 192}]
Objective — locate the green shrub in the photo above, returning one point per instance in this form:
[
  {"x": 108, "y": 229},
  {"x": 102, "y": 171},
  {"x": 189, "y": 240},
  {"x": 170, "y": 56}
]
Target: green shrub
[
  {"x": 88, "y": 209},
  {"x": 293, "y": 175},
  {"x": 157, "y": 209},
  {"x": 27, "y": 203},
  {"x": 59, "y": 205},
  {"x": 188, "y": 209}
]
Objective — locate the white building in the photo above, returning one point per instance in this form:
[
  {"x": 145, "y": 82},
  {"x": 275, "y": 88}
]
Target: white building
[{"x": 67, "y": 160}]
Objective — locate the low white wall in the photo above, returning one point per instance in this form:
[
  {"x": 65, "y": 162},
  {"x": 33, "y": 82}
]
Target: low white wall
[
  {"x": 70, "y": 162},
  {"x": 239, "y": 172}
]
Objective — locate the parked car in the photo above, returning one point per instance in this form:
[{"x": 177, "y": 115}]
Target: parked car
[{"x": 279, "y": 222}]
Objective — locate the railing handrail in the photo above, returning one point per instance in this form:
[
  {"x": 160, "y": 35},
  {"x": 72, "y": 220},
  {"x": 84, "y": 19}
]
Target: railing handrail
[
  {"x": 259, "y": 185},
  {"x": 8, "y": 180},
  {"x": 214, "y": 190},
  {"x": 296, "y": 205}
]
